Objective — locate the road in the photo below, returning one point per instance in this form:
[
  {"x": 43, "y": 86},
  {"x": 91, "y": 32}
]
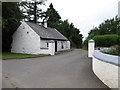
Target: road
[{"x": 66, "y": 70}]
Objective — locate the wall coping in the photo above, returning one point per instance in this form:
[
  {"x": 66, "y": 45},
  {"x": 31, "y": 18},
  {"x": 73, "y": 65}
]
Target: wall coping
[
  {"x": 91, "y": 41},
  {"x": 107, "y": 58}
]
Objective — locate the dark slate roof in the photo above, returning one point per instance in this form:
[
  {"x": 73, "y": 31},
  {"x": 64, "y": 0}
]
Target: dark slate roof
[{"x": 46, "y": 33}]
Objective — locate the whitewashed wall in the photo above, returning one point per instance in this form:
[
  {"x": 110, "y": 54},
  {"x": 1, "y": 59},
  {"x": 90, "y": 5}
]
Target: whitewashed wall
[
  {"x": 44, "y": 49},
  {"x": 66, "y": 45},
  {"x": 44, "y": 43},
  {"x": 25, "y": 40},
  {"x": 47, "y": 49},
  {"x": 106, "y": 68}
]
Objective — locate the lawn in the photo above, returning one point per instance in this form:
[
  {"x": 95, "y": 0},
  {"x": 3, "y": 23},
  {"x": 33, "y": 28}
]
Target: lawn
[{"x": 18, "y": 55}]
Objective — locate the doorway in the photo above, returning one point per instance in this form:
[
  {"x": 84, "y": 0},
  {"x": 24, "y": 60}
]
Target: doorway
[{"x": 55, "y": 46}]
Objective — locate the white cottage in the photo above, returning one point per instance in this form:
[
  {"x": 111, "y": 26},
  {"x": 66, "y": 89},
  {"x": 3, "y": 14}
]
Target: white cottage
[{"x": 31, "y": 38}]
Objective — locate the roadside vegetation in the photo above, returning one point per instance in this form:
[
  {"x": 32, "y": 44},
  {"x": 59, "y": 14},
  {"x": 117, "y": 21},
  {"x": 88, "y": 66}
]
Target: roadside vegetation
[
  {"x": 112, "y": 52},
  {"x": 107, "y": 34},
  {"x": 18, "y": 55},
  {"x": 106, "y": 40}
]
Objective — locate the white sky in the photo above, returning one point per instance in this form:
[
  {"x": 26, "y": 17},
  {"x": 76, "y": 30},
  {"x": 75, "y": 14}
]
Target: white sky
[{"x": 85, "y": 14}]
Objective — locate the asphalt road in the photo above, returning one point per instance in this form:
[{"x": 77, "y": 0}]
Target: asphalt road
[{"x": 66, "y": 70}]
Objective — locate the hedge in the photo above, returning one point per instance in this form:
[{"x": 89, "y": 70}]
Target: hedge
[{"x": 106, "y": 40}]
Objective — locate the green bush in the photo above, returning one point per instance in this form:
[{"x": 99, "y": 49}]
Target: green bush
[
  {"x": 112, "y": 52},
  {"x": 106, "y": 40}
]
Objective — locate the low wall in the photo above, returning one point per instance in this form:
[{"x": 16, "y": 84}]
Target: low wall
[{"x": 106, "y": 68}]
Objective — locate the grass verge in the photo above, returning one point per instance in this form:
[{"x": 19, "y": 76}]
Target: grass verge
[{"x": 19, "y": 55}]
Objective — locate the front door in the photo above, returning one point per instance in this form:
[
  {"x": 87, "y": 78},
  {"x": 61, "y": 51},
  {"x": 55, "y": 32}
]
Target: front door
[{"x": 55, "y": 46}]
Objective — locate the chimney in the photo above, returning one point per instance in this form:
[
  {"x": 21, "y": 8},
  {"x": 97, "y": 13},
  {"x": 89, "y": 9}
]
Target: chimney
[{"x": 45, "y": 22}]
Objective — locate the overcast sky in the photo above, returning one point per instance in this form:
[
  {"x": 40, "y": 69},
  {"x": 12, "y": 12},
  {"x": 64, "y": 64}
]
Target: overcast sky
[{"x": 85, "y": 14}]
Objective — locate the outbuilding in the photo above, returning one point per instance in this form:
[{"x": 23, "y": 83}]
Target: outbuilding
[{"x": 31, "y": 38}]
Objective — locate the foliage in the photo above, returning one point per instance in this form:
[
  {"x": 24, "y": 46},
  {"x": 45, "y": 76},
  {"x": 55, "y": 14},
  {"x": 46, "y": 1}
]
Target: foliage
[
  {"x": 109, "y": 26},
  {"x": 72, "y": 33},
  {"x": 0, "y": 15},
  {"x": 16, "y": 55},
  {"x": 85, "y": 43},
  {"x": 64, "y": 27},
  {"x": 31, "y": 10},
  {"x": 53, "y": 17},
  {"x": 13, "y": 13},
  {"x": 112, "y": 52},
  {"x": 106, "y": 40},
  {"x": 11, "y": 17},
  {"x": 119, "y": 44}
]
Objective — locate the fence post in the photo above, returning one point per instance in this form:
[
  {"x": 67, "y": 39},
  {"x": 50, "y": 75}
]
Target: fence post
[{"x": 91, "y": 47}]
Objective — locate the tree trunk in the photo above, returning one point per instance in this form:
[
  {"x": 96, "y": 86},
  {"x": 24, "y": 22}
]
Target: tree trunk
[{"x": 35, "y": 14}]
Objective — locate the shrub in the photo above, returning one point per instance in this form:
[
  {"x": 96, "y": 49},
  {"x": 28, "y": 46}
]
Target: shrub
[
  {"x": 112, "y": 52},
  {"x": 106, "y": 40},
  {"x": 118, "y": 44}
]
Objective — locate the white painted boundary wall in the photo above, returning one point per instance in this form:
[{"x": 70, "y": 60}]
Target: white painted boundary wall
[
  {"x": 105, "y": 69},
  {"x": 105, "y": 66}
]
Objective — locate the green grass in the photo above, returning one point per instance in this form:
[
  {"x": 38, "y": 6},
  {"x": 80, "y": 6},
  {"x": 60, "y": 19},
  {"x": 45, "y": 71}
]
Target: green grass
[{"x": 18, "y": 55}]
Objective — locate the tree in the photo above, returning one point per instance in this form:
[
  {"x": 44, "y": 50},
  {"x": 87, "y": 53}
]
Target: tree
[
  {"x": 72, "y": 33},
  {"x": 31, "y": 10},
  {"x": 53, "y": 17},
  {"x": 109, "y": 26},
  {"x": 64, "y": 27},
  {"x": 11, "y": 17}
]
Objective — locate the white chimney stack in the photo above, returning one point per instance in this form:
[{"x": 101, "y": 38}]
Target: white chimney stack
[{"x": 45, "y": 22}]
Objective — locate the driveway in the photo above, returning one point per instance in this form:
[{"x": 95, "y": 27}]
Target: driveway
[{"x": 66, "y": 70}]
